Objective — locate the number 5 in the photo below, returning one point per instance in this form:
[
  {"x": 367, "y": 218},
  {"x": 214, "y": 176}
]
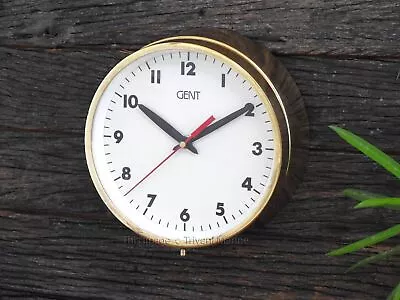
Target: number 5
[{"x": 220, "y": 209}]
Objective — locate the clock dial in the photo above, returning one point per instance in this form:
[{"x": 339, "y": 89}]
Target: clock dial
[{"x": 185, "y": 146}]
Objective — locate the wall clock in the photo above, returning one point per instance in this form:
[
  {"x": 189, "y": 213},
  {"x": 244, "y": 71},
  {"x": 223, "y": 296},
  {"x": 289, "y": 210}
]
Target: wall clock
[{"x": 193, "y": 137}]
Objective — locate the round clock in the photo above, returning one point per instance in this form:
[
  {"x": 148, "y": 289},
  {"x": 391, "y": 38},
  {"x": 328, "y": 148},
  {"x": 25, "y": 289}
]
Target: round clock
[{"x": 191, "y": 138}]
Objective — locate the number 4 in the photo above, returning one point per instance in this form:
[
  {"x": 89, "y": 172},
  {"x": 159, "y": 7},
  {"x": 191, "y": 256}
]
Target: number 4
[{"x": 247, "y": 184}]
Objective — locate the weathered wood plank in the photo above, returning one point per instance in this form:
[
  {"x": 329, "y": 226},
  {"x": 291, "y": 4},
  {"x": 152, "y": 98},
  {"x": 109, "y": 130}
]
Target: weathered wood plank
[
  {"x": 34, "y": 85},
  {"x": 360, "y": 93},
  {"x": 58, "y": 240},
  {"x": 343, "y": 27},
  {"x": 90, "y": 257},
  {"x": 38, "y": 88}
]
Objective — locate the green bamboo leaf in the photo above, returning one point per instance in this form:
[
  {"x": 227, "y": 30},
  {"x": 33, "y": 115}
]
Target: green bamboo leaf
[
  {"x": 360, "y": 195},
  {"x": 375, "y": 258},
  {"x": 395, "y": 295},
  {"x": 369, "y": 241},
  {"x": 380, "y": 202},
  {"x": 369, "y": 150}
]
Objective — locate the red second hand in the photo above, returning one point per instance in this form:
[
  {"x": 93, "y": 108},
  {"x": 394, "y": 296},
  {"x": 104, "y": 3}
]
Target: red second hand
[{"x": 181, "y": 145}]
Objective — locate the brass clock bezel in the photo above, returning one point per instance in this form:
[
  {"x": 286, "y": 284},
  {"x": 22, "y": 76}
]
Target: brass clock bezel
[
  {"x": 253, "y": 70},
  {"x": 283, "y": 94},
  {"x": 164, "y": 46}
]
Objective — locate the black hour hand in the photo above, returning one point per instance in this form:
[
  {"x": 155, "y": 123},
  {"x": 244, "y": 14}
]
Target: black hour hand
[{"x": 166, "y": 127}]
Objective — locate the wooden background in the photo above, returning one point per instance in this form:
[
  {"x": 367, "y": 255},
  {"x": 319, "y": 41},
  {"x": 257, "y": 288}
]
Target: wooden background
[{"x": 57, "y": 239}]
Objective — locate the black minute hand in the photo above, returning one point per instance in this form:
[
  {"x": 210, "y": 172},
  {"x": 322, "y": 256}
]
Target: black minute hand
[
  {"x": 166, "y": 127},
  {"x": 229, "y": 118}
]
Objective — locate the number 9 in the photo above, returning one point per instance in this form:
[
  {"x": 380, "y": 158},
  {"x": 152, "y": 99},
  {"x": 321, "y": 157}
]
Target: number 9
[{"x": 118, "y": 135}]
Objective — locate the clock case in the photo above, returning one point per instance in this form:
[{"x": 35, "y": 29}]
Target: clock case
[{"x": 283, "y": 94}]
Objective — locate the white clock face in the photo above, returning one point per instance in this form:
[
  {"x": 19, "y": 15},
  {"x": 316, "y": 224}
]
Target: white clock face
[{"x": 186, "y": 196}]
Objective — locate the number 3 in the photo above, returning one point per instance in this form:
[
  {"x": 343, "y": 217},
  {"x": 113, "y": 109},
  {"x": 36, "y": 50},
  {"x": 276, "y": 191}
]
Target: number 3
[{"x": 258, "y": 150}]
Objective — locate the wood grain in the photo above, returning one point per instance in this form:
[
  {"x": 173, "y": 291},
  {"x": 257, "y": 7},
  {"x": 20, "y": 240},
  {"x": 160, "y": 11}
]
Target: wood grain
[
  {"x": 55, "y": 228},
  {"x": 312, "y": 27},
  {"x": 57, "y": 238}
]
